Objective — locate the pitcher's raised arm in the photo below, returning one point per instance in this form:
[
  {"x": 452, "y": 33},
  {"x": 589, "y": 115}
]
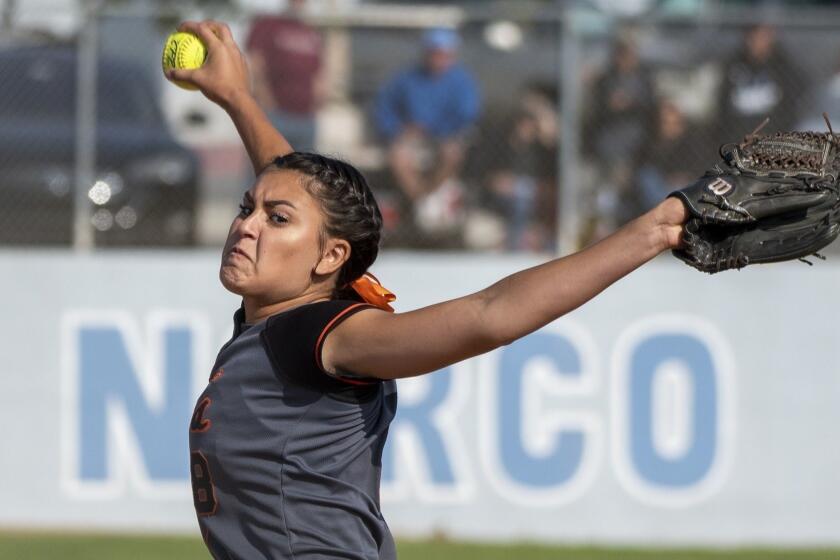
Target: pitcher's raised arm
[{"x": 224, "y": 79}]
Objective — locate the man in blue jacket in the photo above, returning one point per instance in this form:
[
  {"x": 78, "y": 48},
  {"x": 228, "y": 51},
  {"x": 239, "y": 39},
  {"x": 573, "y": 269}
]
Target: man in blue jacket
[{"x": 423, "y": 112}]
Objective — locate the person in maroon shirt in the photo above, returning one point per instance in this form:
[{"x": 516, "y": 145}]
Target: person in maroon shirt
[{"x": 285, "y": 55}]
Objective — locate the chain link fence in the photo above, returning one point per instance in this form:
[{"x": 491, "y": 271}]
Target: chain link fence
[
  {"x": 576, "y": 122},
  {"x": 662, "y": 96},
  {"x": 86, "y": 155}
]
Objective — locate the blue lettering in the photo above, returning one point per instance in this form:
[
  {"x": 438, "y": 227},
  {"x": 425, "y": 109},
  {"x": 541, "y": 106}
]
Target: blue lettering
[
  {"x": 106, "y": 375},
  {"x": 419, "y": 416},
  {"x": 692, "y": 466},
  {"x": 562, "y": 463}
]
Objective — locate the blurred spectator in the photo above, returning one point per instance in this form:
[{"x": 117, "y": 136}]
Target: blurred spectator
[
  {"x": 621, "y": 106},
  {"x": 523, "y": 180},
  {"x": 758, "y": 82},
  {"x": 825, "y": 98},
  {"x": 622, "y": 100},
  {"x": 424, "y": 113},
  {"x": 285, "y": 55},
  {"x": 667, "y": 160}
]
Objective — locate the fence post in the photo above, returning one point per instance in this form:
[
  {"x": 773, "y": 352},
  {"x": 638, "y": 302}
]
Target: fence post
[
  {"x": 85, "y": 156},
  {"x": 7, "y": 15},
  {"x": 568, "y": 76}
]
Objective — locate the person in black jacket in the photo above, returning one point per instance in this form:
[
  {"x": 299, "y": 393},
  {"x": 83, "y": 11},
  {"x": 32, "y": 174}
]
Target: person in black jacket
[
  {"x": 622, "y": 102},
  {"x": 758, "y": 81}
]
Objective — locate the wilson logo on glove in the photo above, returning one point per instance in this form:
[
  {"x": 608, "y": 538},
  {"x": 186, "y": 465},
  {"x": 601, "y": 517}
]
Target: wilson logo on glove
[{"x": 720, "y": 187}]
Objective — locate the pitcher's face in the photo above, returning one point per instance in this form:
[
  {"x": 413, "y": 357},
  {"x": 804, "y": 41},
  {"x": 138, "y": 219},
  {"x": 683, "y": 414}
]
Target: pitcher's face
[{"x": 274, "y": 243}]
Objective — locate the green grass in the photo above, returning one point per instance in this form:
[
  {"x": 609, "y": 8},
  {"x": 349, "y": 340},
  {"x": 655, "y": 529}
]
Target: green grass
[{"x": 34, "y": 546}]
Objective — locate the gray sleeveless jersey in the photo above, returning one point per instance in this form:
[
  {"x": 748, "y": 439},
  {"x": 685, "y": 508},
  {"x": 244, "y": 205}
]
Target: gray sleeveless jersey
[{"x": 285, "y": 459}]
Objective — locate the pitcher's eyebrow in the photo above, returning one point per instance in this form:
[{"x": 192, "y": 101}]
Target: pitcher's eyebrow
[{"x": 271, "y": 203}]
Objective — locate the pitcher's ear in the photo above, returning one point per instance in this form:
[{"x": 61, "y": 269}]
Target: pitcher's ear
[{"x": 336, "y": 253}]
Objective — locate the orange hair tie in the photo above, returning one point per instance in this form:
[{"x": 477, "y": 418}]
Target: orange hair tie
[{"x": 372, "y": 292}]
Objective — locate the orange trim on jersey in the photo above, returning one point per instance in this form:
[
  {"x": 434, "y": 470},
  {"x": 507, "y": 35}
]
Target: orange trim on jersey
[
  {"x": 198, "y": 420},
  {"x": 320, "y": 341},
  {"x": 352, "y": 381}
]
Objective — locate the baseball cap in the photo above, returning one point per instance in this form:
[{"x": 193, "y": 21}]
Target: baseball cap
[{"x": 441, "y": 38}]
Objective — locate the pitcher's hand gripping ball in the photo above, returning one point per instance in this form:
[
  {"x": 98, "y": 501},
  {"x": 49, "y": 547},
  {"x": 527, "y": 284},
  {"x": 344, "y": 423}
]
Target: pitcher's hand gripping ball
[
  {"x": 183, "y": 51},
  {"x": 772, "y": 198}
]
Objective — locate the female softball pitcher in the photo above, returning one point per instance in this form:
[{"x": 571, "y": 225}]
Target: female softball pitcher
[{"x": 287, "y": 438}]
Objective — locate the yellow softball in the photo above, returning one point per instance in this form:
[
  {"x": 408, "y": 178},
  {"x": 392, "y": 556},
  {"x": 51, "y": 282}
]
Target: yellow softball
[{"x": 183, "y": 50}]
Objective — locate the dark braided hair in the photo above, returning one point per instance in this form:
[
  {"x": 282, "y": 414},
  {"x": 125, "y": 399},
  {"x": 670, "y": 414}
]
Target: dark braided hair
[{"x": 350, "y": 210}]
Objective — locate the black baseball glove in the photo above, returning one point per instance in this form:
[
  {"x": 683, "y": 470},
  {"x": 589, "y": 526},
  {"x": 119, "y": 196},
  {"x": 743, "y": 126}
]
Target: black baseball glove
[{"x": 772, "y": 198}]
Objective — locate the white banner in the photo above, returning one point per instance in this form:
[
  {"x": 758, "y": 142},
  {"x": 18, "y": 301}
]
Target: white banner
[{"x": 677, "y": 408}]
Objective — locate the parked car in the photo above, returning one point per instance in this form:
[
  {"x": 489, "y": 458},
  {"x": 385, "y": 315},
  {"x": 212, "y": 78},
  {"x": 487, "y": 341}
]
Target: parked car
[{"x": 145, "y": 185}]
